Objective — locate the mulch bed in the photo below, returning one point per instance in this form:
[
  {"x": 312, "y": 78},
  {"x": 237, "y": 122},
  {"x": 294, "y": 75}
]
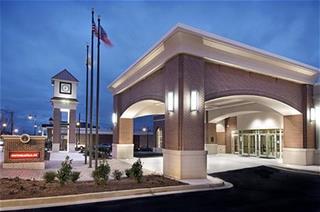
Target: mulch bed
[{"x": 19, "y": 188}]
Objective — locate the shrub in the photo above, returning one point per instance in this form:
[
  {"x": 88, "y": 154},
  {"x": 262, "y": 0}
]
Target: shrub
[
  {"x": 128, "y": 173},
  {"x": 117, "y": 174},
  {"x": 49, "y": 176},
  {"x": 64, "y": 173},
  {"x": 136, "y": 171},
  {"x": 75, "y": 176},
  {"x": 101, "y": 174}
]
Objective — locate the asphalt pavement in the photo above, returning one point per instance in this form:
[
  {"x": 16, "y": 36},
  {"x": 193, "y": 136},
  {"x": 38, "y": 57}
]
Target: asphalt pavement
[{"x": 255, "y": 189}]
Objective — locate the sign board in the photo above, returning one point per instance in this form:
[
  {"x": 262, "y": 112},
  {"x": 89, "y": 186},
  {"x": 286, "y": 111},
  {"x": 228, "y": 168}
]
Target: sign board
[{"x": 24, "y": 155}]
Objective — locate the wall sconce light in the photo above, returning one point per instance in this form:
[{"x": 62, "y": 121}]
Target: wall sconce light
[
  {"x": 170, "y": 101},
  {"x": 114, "y": 119},
  {"x": 194, "y": 101},
  {"x": 312, "y": 114}
]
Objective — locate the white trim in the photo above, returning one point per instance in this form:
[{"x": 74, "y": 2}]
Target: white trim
[
  {"x": 298, "y": 156},
  {"x": 184, "y": 164},
  {"x": 186, "y": 39},
  {"x": 24, "y": 165}
]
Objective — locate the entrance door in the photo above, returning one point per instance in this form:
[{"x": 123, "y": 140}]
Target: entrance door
[
  {"x": 245, "y": 145},
  {"x": 252, "y": 145},
  {"x": 272, "y": 146},
  {"x": 263, "y": 145},
  {"x": 235, "y": 143},
  {"x": 267, "y": 145}
]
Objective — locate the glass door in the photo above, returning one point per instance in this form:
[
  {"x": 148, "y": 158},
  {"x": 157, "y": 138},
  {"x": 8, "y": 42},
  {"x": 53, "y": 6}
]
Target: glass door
[
  {"x": 235, "y": 144},
  {"x": 252, "y": 145},
  {"x": 263, "y": 145},
  {"x": 245, "y": 145},
  {"x": 271, "y": 146}
]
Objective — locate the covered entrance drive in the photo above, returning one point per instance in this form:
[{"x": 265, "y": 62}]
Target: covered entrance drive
[
  {"x": 220, "y": 95},
  {"x": 248, "y": 125}
]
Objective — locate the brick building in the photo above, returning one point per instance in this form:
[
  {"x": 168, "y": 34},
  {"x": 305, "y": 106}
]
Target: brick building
[{"x": 218, "y": 96}]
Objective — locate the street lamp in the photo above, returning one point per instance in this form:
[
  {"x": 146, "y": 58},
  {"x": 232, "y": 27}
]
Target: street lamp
[
  {"x": 78, "y": 125},
  {"x": 34, "y": 118},
  {"x": 16, "y": 131},
  {"x": 4, "y": 125},
  {"x": 144, "y": 129}
]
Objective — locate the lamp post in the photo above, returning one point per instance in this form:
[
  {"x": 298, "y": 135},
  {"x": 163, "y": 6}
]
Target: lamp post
[
  {"x": 34, "y": 118},
  {"x": 78, "y": 125},
  {"x": 145, "y": 129},
  {"x": 3, "y": 126}
]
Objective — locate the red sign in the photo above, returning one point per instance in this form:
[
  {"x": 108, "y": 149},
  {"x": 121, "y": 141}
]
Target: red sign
[{"x": 24, "y": 155}]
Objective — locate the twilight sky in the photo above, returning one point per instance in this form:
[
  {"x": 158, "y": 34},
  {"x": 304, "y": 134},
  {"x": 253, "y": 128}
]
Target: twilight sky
[{"x": 38, "y": 39}]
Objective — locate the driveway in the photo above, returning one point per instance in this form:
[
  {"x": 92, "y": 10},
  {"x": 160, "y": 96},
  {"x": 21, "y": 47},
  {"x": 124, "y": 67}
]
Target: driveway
[{"x": 255, "y": 189}]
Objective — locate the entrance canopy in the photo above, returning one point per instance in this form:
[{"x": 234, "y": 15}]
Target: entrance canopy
[{"x": 235, "y": 105}]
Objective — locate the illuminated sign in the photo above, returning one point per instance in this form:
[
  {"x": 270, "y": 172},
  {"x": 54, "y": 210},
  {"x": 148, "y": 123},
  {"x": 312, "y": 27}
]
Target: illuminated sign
[{"x": 24, "y": 155}]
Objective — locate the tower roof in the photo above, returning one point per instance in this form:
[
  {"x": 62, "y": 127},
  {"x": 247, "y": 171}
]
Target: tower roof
[{"x": 65, "y": 75}]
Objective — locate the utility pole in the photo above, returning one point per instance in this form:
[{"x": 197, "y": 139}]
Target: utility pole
[{"x": 11, "y": 122}]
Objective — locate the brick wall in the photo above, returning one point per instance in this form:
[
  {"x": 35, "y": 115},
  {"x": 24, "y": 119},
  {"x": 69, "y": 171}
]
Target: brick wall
[{"x": 15, "y": 145}]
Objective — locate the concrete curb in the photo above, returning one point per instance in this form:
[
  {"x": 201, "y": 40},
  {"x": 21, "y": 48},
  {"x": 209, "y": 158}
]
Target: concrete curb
[
  {"x": 41, "y": 202},
  {"x": 301, "y": 171}
]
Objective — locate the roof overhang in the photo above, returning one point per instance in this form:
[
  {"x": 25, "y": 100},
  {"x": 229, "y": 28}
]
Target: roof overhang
[{"x": 188, "y": 40}]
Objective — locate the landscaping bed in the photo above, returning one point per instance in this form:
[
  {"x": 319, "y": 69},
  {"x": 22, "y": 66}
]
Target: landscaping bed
[{"x": 17, "y": 188}]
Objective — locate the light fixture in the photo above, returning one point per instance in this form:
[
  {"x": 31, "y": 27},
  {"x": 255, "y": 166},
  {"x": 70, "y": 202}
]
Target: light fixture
[
  {"x": 30, "y": 117},
  {"x": 312, "y": 114},
  {"x": 4, "y": 125},
  {"x": 194, "y": 100},
  {"x": 39, "y": 131},
  {"x": 78, "y": 124},
  {"x": 170, "y": 101},
  {"x": 35, "y": 126},
  {"x": 144, "y": 129},
  {"x": 16, "y": 130},
  {"x": 114, "y": 119}
]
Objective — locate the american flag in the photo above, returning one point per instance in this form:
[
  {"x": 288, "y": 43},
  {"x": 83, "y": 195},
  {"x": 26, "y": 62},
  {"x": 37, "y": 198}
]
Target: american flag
[{"x": 103, "y": 34}]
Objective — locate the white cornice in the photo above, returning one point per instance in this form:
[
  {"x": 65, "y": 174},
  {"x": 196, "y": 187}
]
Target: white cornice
[{"x": 214, "y": 48}]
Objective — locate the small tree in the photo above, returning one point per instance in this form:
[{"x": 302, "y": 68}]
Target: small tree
[
  {"x": 49, "y": 176},
  {"x": 101, "y": 174},
  {"x": 136, "y": 171},
  {"x": 117, "y": 174},
  {"x": 64, "y": 173},
  {"x": 128, "y": 173},
  {"x": 75, "y": 176}
]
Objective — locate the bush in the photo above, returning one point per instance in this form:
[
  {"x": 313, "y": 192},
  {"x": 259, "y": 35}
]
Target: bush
[
  {"x": 101, "y": 174},
  {"x": 117, "y": 174},
  {"x": 128, "y": 173},
  {"x": 49, "y": 176},
  {"x": 136, "y": 171},
  {"x": 75, "y": 176},
  {"x": 64, "y": 173}
]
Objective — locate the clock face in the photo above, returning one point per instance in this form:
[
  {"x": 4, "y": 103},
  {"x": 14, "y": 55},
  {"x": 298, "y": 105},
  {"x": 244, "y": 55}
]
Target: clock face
[{"x": 65, "y": 88}]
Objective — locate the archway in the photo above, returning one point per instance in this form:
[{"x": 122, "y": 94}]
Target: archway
[
  {"x": 251, "y": 125},
  {"x": 124, "y": 139}
]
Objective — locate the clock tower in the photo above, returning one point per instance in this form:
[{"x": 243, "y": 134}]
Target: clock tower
[{"x": 64, "y": 103}]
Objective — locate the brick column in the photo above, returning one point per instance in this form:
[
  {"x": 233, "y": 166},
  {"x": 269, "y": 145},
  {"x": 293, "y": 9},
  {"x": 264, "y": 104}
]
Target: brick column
[
  {"x": 122, "y": 147},
  {"x": 56, "y": 130},
  {"x": 184, "y": 155},
  {"x": 295, "y": 149},
  {"x": 72, "y": 130},
  {"x": 230, "y": 125},
  {"x": 211, "y": 141}
]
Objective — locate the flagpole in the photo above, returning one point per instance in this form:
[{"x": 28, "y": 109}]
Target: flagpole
[
  {"x": 91, "y": 91},
  {"x": 97, "y": 94},
  {"x": 86, "y": 132}
]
